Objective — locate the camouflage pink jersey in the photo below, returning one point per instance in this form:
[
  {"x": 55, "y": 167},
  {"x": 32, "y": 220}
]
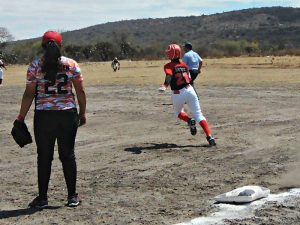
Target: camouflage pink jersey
[{"x": 58, "y": 95}]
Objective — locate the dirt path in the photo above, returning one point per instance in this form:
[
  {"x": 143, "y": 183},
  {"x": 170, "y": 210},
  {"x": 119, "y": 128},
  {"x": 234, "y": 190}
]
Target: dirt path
[{"x": 138, "y": 164}]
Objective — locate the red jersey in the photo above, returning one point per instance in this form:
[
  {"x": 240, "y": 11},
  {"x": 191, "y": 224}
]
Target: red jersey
[{"x": 179, "y": 73}]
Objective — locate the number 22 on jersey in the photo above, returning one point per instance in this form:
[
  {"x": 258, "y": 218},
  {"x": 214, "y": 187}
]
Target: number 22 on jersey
[{"x": 57, "y": 86}]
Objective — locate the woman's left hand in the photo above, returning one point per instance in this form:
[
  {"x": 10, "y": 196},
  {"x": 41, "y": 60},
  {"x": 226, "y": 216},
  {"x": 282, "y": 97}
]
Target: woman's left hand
[{"x": 82, "y": 119}]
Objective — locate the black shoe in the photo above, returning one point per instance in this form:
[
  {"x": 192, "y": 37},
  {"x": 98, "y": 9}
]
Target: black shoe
[
  {"x": 211, "y": 141},
  {"x": 192, "y": 125},
  {"x": 38, "y": 203},
  {"x": 73, "y": 201}
]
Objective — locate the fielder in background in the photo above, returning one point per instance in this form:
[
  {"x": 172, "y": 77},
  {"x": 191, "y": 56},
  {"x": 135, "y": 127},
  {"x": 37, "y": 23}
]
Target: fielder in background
[
  {"x": 49, "y": 81},
  {"x": 115, "y": 64},
  {"x": 178, "y": 78},
  {"x": 192, "y": 60},
  {"x": 1, "y": 71}
]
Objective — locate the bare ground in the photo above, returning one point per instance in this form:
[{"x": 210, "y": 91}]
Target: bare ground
[{"x": 138, "y": 164}]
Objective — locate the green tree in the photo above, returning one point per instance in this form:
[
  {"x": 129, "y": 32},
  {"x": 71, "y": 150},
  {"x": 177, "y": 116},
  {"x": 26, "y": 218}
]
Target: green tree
[
  {"x": 103, "y": 51},
  {"x": 74, "y": 51},
  {"x": 5, "y": 36},
  {"x": 126, "y": 50},
  {"x": 251, "y": 47},
  {"x": 87, "y": 51}
]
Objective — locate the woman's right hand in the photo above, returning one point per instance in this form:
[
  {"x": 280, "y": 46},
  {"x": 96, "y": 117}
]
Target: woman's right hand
[{"x": 162, "y": 88}]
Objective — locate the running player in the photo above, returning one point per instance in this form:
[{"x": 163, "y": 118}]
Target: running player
[
  {"x": 178, "y": 78},
  {"x": 49, "y": 81},
  {"x": 115, "y": 64}
]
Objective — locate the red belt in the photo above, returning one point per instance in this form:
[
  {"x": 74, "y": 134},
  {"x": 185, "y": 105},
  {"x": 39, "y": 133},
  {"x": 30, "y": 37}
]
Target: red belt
[{"x": 178, "y": 91}]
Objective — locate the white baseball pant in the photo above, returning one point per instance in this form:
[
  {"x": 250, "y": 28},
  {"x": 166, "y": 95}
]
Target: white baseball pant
[{"x": 187, "y": 95}]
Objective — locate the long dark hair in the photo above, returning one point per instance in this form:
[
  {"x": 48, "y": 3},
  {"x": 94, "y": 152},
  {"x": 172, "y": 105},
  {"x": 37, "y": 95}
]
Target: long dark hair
[{"x": 51, "y": 60}]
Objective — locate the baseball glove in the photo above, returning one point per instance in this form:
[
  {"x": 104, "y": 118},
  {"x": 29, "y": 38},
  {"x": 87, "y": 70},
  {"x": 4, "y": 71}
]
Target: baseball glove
[{"x": 21, "y": 134}]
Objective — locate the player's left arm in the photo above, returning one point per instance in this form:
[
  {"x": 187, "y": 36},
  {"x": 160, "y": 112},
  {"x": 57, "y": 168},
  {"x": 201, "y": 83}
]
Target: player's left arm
[
  {"x": 77, "y": 81},
  {"x": 81, "y": 97}
]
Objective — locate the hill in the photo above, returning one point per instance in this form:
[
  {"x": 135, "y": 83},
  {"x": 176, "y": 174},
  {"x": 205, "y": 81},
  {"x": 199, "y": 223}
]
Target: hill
[
  {"x": 272, "y": 30},
  {"x": 265, "y": 25}
]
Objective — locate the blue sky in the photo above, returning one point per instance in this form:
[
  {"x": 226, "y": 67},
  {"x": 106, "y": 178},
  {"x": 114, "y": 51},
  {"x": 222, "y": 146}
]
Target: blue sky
[{"x": 31, "y": 18}]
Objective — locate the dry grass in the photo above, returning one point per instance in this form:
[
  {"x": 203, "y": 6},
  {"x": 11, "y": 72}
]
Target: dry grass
[{"x": 241, "y": 71}]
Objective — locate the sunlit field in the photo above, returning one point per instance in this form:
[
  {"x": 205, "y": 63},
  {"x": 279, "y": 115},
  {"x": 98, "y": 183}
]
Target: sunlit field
[
  {"x": 241, "y": 71},
  {"x": 139, "y": 164}
]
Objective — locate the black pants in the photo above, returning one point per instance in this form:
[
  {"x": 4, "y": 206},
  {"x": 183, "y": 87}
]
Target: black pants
[
  {"x": 60, "y": 126},
  {"x": 194, "y": 74}
]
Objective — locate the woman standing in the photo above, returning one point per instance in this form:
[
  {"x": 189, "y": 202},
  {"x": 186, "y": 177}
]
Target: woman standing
[{"x": 49, "y": 82}]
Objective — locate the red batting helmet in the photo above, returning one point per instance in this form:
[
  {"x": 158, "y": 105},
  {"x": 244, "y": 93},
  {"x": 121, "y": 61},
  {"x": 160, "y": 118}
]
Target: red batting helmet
[
  {"x": 173, "y": 51},
  {"x": 52, "y": 36}
]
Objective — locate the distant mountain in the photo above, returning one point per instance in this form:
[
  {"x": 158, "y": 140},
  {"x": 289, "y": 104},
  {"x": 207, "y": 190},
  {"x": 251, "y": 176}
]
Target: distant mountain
[
  {"x": 266, "y": 25},
  {"x": 272, "y": 26}
]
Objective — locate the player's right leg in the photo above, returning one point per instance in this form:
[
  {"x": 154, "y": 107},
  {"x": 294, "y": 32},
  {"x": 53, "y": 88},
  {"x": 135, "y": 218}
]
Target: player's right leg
[
  {"x": 66, "y": 141},
  {"x": 178, "y": 103}
]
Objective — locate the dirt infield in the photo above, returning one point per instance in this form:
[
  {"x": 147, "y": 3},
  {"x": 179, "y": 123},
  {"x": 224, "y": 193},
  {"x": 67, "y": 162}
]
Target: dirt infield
[{"x": 138, "y": 164}]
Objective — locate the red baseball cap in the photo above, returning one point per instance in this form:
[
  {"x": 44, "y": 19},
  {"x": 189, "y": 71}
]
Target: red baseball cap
[{"x": 52, "y": 36}]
